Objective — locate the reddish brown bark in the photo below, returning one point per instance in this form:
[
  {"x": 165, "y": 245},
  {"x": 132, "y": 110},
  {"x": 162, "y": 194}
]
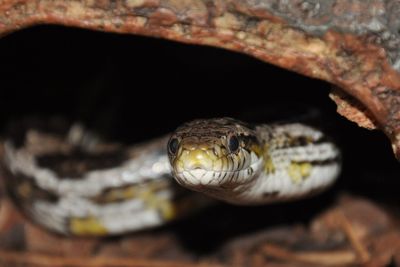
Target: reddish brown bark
[{"x": 353, "y": 44}]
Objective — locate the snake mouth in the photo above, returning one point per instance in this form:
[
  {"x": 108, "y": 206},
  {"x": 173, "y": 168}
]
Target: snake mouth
[{"x": 199, "y": 177}]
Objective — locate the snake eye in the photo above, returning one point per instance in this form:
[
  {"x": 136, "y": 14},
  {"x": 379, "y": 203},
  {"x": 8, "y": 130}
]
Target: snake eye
[
  {"x": 173, "y": 145},
  {"x": 233, "y": 144}
]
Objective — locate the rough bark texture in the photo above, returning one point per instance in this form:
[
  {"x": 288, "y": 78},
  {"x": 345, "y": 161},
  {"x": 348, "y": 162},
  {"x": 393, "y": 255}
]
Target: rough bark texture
[
  {"x": 353, "y": 232},
  {"x": 353, "y": 44}
]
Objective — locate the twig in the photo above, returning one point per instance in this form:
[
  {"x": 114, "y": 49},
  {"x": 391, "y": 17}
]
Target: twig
[
  {"x": 360, "y": 249},
  {"x": 335, "y": 258},
  {"x": 36, "y": 259}
]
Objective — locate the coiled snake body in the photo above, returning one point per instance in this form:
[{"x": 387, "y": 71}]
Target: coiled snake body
[{"x": 75, "y": 184}]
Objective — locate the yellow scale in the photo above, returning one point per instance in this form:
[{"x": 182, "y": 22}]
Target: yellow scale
[
  {"x": 297, "y": 171},
  {"x": 148, "y": 194}
]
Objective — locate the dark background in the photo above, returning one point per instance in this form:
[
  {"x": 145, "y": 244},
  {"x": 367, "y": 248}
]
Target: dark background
[
  {"x": 106, "y": 79},
  {"x": 134, "y": 88}
]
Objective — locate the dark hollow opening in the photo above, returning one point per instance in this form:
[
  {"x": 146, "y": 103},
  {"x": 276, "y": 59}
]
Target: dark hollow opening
[{"x": 133, "y": 89}]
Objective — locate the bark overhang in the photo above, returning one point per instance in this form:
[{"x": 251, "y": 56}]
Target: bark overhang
[{"x": 353, "y": 44}]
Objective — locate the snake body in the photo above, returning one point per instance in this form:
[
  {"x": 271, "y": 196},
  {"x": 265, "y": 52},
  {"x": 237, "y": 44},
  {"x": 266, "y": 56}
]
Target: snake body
[
  {"x": 75, "y": 184},
  {"x": 242, "y": 164}
]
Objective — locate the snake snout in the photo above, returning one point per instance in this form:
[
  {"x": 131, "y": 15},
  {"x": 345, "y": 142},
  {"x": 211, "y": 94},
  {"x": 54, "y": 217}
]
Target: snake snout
[{"x": 199, "y": 158}]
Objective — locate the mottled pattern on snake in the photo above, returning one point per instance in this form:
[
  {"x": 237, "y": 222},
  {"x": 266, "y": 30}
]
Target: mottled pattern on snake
[
  {"x": 243, "y": 164},
  {"x": 75, "y": 184}
]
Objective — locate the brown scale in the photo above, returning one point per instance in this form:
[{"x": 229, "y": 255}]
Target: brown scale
[
  {"x": 23, "y": 187},
  {"x": 202, "y": 131},
  {"x": 78, "y": 162}
]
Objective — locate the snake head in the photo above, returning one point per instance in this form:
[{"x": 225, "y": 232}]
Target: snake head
[{"x": 214, "y": 154}]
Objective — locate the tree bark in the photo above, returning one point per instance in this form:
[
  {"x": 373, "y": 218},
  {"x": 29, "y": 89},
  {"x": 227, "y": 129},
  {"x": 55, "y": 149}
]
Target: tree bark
[{"x": 352, "y": 44}]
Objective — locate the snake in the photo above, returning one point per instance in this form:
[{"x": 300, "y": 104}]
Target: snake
[
  {"x": 69, "y": 181},
  {"x": 252, "y": 164}
]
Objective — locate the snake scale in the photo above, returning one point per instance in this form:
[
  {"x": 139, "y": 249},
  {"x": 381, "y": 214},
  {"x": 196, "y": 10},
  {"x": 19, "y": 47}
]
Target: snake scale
[{"x": 71, "y": 182}]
